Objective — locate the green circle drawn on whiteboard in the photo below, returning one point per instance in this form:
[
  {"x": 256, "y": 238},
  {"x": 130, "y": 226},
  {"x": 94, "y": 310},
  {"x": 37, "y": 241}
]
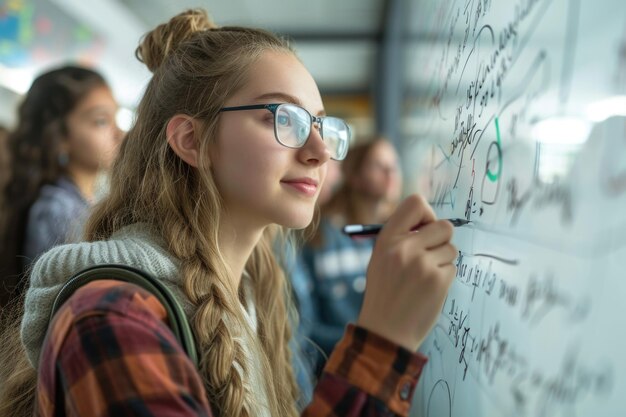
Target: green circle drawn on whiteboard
[{"x": 494, "y": 177}]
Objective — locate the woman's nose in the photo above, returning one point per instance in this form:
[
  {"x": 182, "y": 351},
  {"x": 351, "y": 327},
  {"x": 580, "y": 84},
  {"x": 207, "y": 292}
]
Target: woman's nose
[{"x": 315, "y": 149}]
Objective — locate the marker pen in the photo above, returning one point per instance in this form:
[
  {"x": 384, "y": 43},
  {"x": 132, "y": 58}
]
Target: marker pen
[{"x": 371, "y": 230}]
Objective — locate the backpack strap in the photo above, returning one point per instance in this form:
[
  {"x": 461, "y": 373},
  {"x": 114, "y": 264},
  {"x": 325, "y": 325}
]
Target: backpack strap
[{"x": 178, "y": 322}]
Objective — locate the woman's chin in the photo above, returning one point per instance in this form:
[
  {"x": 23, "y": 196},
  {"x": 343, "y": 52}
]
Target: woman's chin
[{"x": 297, "y": 222}]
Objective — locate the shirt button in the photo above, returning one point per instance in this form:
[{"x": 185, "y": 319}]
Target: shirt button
[{"x": 405, "y": 392}]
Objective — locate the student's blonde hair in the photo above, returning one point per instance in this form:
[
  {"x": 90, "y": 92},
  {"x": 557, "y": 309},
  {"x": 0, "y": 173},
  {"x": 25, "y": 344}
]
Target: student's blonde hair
[
  {"x": 18, "y": 379},
  {"x": 196, "y": 67}
]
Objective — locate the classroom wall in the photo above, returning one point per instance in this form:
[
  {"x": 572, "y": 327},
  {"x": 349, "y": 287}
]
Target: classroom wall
[{"x": 514, "y": 118}]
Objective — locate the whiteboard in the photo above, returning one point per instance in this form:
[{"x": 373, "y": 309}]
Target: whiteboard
[{"x": 514, "y": 118}]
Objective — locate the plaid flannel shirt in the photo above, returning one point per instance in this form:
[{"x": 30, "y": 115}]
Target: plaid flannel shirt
[{"x": 109, "y": 352}]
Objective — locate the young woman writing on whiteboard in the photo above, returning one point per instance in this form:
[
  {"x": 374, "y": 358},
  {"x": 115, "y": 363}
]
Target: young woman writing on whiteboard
[{"x": 230, "y": 144}]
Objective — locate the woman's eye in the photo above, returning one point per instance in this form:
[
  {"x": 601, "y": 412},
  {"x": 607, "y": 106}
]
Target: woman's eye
[
  {"x": 282, "y": 120},
  {"x": 101, "y": 122}
]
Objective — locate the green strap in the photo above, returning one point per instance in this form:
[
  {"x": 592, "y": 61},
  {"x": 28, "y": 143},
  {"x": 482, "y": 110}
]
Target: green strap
[{"x": 175, "y": 314}]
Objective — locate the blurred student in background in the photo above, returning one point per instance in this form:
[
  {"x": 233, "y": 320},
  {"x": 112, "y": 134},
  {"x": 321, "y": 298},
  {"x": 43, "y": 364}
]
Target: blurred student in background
[
  {"x": 66, "y": 133},
  {"x": 301, "y": 282},
  {"x": 309, "y": 360},
  {"x": 335, "y": 263}
]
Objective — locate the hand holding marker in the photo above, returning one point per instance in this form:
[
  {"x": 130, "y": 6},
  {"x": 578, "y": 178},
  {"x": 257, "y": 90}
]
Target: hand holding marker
[{"x": 371, "y": 230}]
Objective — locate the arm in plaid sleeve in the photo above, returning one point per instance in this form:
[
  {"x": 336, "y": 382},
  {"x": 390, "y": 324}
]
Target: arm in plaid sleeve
[
  {"x": 109, "y": 352},
  {"x": 366, "y": 375}
]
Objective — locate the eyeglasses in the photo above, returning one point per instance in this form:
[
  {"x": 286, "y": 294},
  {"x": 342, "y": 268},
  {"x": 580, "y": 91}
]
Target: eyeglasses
[{"x": 292, "y": 127}]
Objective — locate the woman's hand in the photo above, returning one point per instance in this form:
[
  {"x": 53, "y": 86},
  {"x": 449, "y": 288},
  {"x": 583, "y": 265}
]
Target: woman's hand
[{"x": 409, "y": 274}]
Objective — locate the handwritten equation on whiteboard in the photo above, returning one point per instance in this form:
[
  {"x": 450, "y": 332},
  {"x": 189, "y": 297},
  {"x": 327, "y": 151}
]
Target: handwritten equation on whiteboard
[{"x": 532, "y": 324}]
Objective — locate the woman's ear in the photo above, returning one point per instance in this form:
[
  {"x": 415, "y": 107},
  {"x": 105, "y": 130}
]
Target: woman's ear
[{"x": 181, "y": 137}]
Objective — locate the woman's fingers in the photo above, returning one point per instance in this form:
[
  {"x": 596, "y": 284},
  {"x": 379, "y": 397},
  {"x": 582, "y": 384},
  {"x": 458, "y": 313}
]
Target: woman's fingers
[
  {"x": 433, "y": 234},
  {"x": 443, "y": 255},
  {"x": 448, "y": 270},
  {"x": 413, "y": 211},
  {"x": 409, "y": 274}
]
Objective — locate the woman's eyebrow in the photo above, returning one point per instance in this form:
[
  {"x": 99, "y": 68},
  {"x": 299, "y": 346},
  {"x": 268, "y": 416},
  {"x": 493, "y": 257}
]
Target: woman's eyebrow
[
  {"x": 286, "y": 98},
  {"x": 98, "y": 110},
  {"x": 282, "y": 97}
]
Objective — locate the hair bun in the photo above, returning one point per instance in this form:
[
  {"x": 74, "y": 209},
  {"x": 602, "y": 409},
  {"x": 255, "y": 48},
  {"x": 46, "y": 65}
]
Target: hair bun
[{"x": 156, "y": 44}]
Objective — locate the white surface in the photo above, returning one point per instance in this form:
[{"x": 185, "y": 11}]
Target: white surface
[{"x": 533, "y": 324}]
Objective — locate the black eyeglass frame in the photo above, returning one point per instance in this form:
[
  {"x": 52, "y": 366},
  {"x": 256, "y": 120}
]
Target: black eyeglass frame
[{"x": 273, "y": 107}]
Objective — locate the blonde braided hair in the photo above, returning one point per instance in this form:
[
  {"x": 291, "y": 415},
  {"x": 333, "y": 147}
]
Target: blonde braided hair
[{"x": 196, "y": 67}]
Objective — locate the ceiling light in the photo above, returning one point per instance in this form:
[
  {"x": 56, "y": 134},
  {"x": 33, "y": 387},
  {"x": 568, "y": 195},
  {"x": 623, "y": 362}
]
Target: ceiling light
[{"x": 565, "y": 130}]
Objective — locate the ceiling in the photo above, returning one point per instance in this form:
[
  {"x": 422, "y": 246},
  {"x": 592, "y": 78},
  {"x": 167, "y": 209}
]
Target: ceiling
[
  {"x": 336, "y": 40},
  {"x": 340, "y": 41}
]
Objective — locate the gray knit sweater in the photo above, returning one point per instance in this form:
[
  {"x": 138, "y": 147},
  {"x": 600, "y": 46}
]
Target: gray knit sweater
[{"x": 133, "y": 245}]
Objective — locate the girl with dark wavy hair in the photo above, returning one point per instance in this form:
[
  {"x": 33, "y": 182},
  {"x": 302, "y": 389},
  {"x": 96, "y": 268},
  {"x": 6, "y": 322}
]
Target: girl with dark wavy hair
[{"x": 66, "y": 133}]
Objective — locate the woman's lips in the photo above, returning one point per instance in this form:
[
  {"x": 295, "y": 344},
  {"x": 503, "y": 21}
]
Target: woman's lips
[{"x": 305, "y": 186}]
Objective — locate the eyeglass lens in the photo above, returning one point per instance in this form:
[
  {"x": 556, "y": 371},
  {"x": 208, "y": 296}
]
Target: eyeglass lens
[{"x": 293, "y": 126}]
